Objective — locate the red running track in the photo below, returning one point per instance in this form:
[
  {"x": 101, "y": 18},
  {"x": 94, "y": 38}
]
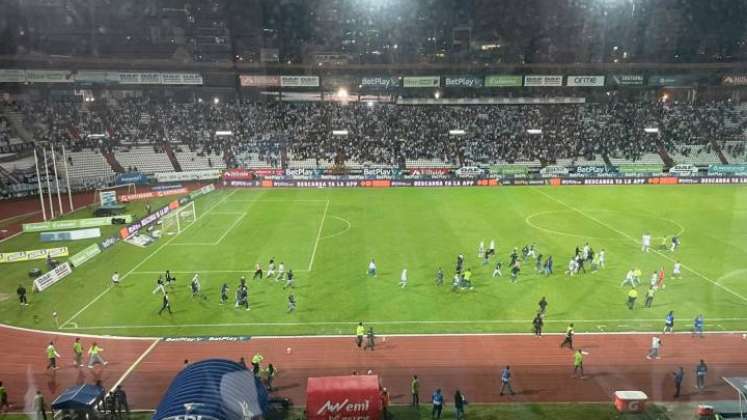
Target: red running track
[{"x": 541, "y": 370}]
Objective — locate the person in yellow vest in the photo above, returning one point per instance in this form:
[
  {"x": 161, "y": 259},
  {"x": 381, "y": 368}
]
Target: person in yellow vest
[
  {"x": 256, "y": 360},
  {"x": 632, "y": 296},
  {"x": 52, "y": 356},
  {"x": 360, "y": 331},
  {"x": 578, "y": 363},
  {"x": 78, "y": 352},
  {"x": 94, "y": 355}
]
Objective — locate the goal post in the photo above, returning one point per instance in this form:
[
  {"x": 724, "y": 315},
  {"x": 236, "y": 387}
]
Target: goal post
[{"x": 176, "y": 221}]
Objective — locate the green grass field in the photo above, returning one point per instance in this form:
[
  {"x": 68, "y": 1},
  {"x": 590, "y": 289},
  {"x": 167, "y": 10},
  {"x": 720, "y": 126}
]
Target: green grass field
[{"x": 327, "y": 237}]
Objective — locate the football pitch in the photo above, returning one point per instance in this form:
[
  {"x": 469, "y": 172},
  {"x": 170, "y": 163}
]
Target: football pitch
[{"x": 327, "y": 237}]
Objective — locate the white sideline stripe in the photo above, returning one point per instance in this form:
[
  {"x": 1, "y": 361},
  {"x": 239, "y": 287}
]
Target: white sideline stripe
[
  {"x": 621, "y": 233},
  {"x": 318, "y": 236},
  {"x": 147, "y": 258},
  {"x": 136, "y": 363},
  {"x": 276, "y": 200},
  {"x": 423, "y": 322},
  {"x": 108, "y": 337}
]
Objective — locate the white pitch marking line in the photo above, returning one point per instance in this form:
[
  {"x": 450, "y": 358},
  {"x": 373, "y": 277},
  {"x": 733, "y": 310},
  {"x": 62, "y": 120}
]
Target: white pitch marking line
[
  {"x": 135, "y": 363},
  {"x": 425, "y": 322},
  {"x": 230, "y": 229},
  {"x": 621, "y": 233},
  {"x": 276, "y": 200},
  {"x": 144, "y": 260},
  {"x": 318, "y": 236},
  {"x": 342, "y": 219}
]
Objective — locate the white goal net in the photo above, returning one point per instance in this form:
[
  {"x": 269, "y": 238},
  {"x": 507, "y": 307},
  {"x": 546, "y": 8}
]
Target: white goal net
[{"x": 175, "y": 222}]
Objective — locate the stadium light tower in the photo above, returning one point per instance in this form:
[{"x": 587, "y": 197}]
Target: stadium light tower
[
  {"x": 342, "y": 93},
  {"x": 651, "y": 130},
  {"x": 534, "y": 131},
  {"x": 457, "y": 132},
  {"x": 437, "y": 95},
  {"x": 216, "y": 100},
  {"x": 339, "y": 132}
]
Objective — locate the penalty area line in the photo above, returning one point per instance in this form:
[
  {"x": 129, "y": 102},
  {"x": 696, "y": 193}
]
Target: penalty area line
[{"x": 143, "y": 261}]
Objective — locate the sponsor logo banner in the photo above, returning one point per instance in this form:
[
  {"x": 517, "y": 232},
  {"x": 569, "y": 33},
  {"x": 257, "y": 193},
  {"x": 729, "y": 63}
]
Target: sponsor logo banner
[
  {"x": 187, "y": 176},
  {"x": 727, "y": 169},
  {"x": 509, "y": 170},
  {"x": 421, "y": 81},
  {"x": 380, "y": 82},
  {"x": 299, "y": 81},
  {"x": 334, "y": 82},
  {"x": 626, "y": 79},
  {"x": 74, "y": 223},
  {"x": 585, "y": 81},
  {"x": 429, "y": 171},
  {"x": 108, "y": 242},
  {"x": 545, "y": 80},
  {"x": 734, "y": 79},
  {"x": 181, "y": 79},
  {"x": 500, "y": 80},
  {"x": 463, "y": 81},
  {"x": 229, "y": 338},
  {"x": 240, "y": 174},
  {"x": 131, "y": 178},
  {"x": 639, "y": 168},
  {"x": 259, "y": 81},
  {"x": 202, "y": 191},
  {"x": 43, "y": 282},
  {"x": 553, "y": 170},
  {"x": 595, "y": 170},
  {"x": 12, "y": 76},
  {"x": 673, "y": 80},
  {"x": 302, "y": 173},
  {"x": 49, "y": 76},
  {"x": 126, "y": 198},
  {"x": 135, "y": 78},
  {"x": 491, "y": 101},
  {"x": 36, "y": 254},
  {"x": 269, "y": 172},
  {"x": 108, "y": 198},
  {"x": 469, "y": 172},
  {"x": 70, "y": 235},
  {"x": 380, "y": 173},
  {"x": 84, "y": 255},
  {"x": 128, "y": 231}
]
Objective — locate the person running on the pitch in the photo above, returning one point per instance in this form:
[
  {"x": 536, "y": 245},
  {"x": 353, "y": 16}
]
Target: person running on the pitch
[
  {"x": 195, "y": 285},
  {"x": 679, "y": 376},
  {"x": 257, "y": 272},
  {"x": 580, "y": 261},
  {"x": 459, "y": 263},
  {"x": 524, "y": 253},
  {"x": 281, "y": 271},
  {"x": 21, "y": 292},
  {"x": 646, "y": 242},
  {"x": 537, "y": 323},
  {"x": 223, "y": 293},
  {"x": 506, "y": 380},
  {"x": 578, "y": 363},
  {"x": 372, "y": 268},
  {"x": 677, "y": 269},
  {"x": 159, "y": 286},
  {"x": 542, "y": 304},
  {"x": 485, "y": 258},
  {"x": 497, "y": 270},
  {"x": 532, "y": 251},
  {"x": 481, "y": 249},
  {"x": 491, "y": 248},
  {"x": 467, "y": 278},
  {"x": 669, "y": 322},
  {"x": 290, "y": 280},
  {"x": 653, "y": 352},
  {"x": 166, "y": 305},
  {"x": 291, "y": 302},
  {"x": 629, "y": 279},
  {"x": 538, "y": 264},
  {"x": 700, "y": 373},
  {"x": 360, "y": 331},
  {"x": 632, "y": 296},
  {"x": 271, "y": 268},
  {"x": 602, "y": 258},
  {"x": 370, "y": 340},
  {"x": 52, "y": 356},
  {"x": 440, "y": 277},
  {"x": 94, "y": 355},
  {"x": 595, "y": 263},
  {"x": 660, "y": 279},
  {"x": 568, "y": 341},
  {"x": 403, "y": 278},
  {"x": 698, "y": 325},
  {"x": 78, "y": 352},
  {"x": 675, "y": 243},
  {"x": 170, "y": 280},
  {"x": 115, "y": 279},
  {"x": 242, "y": 294},
  {"x": 649, "y": 297},
  {"x": 548, "y": 265},
  {"x": 515, "y": 269},
  {"x": 572, "y": 266}
]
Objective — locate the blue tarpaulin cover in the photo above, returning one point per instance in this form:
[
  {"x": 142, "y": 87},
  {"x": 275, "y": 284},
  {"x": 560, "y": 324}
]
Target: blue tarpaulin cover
[
  {"x": 213, "y": 389},
  {"x": 78, "y": 397}
]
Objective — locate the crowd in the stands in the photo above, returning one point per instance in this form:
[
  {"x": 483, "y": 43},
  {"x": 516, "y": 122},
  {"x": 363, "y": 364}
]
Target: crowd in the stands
[{"x": 388, "y": 133}]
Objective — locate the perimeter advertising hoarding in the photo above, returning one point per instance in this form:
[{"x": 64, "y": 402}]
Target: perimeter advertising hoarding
[
  {"x": 626, "y": 79},
  {"x": 35, "y": 254},
  {"x": 259, "y": 81},
  {"x": 421, "y": 81},
  {"x": 49, "y": 76},
  {"x": 503, "y": 80},
  {"x": 126, "y": 198},
  {"x": 128, "y": 231},
  {"x": 543, "y": 80},
  {"x": 12, "y": 76},
  {"x": 734, "y": 80},
  {"x": 504, "y": 170},
  {"x": 52, "y": 277},
  {"x": 595, "y": 170},
  {"x": 463, "y": 81},
  {"x": 585, "y": 81},
  {"x": 84, "y": 255},
  {"x": 640, "y": 168},
  {"x": 299, "y": 81},
  {"x": 717, "y": 169},
  {"x": 380, "y": 82},
  {"x": 74, "y": 223},
  {"x": 673, "y": 80}
]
